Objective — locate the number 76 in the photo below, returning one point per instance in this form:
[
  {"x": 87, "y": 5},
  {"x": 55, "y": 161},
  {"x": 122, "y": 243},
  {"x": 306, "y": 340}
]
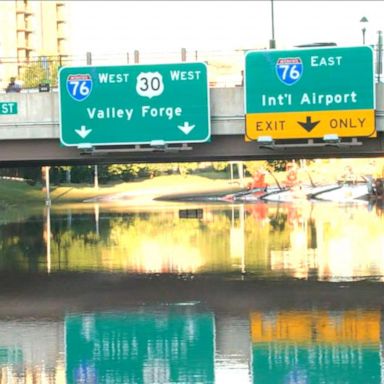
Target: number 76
[
  {"x": 290, "y": 71},
  {"x": 80, "y": 86}
]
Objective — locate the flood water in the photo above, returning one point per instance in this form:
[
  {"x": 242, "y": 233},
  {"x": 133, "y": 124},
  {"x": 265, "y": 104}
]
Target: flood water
[{"x": 193, "y": 293}]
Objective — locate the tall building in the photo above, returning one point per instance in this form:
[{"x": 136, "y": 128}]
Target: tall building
[{"x": 30, "y": 30}]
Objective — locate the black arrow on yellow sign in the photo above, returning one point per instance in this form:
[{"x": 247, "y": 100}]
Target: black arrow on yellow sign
[{"x": 308, "y": 125}]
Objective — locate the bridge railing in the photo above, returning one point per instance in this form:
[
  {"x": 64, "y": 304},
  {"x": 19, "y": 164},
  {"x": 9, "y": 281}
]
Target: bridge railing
[{"x": 225, "y": 68}]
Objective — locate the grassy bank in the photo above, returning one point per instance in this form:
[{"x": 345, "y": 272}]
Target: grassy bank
[{"x": 18, "y": 193}]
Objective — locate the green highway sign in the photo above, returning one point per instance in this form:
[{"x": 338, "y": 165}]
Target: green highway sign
[
  {"x": 134, "y": 104},
  {"x": 332, "y": 78},
  {"x": 309, "y": 92},
  {"x": 8, "y": 108}
]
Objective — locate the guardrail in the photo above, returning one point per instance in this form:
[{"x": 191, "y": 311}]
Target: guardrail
[{"x": 225, "y": 68}]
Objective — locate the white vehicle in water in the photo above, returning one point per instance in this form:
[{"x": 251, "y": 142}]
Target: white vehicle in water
[
  {"x": 346, "y": 192},
  {"x": 350, "y": 188},
  {"x": 300, "y": 192},
  {"x": 338, "y": 192}
]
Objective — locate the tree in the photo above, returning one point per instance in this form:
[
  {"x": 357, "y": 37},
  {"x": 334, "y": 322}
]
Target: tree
[{"x": 40, "y": 72}]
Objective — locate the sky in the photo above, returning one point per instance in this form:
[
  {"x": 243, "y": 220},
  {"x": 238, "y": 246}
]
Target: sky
[{"x": 122, "y": 26}]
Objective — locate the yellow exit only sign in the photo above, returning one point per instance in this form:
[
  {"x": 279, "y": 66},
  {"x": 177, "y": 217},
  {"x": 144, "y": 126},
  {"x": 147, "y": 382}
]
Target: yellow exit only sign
[{"x": 315, "y": 124}]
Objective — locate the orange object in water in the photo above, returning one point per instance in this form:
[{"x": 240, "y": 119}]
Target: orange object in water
[
  {"x": 291, "y": 175},
  {"x": 258, "y": 181}
]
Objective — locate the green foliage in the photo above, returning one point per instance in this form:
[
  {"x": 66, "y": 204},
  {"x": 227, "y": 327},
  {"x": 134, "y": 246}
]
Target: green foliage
[
  {"x": 128, "y": 172},
  {"x": 219, "y": 165},
  {"x": 82, "y": 174},
  {"x": 278, "y": 165},
  {"x": 185, "y": 168},
  {"x": 125, "y": 172},
  {"x": 37, "y": 73},
  {"x": 253, "y": 166}
]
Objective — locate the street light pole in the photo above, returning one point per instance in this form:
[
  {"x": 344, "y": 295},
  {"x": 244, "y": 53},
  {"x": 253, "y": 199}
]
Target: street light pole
[
  {"x": 379, "y": 63},
  {"x": 272, "y": 42},
  {"x": 363, "y": 22}
]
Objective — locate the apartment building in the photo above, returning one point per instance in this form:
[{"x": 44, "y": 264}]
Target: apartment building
[{"x": 30, "y": 30}]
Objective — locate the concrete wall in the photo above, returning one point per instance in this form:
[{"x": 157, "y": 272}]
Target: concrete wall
[
  {"x": 380, "y": 107},
  {"x": 31, "y": 137},
  {"x": 37, "y": 117},
  {"x": 38, "y": 114}
]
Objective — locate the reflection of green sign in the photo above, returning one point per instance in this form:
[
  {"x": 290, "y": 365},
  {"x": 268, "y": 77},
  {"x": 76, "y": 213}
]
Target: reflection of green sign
[
  {"x": 315, "y": 363},
  {"x": 8, "y": 108},
  {"x": 134, "y": 104},
  {"x": 10, "y": 356},
  {"x": 141, "y": 347}
]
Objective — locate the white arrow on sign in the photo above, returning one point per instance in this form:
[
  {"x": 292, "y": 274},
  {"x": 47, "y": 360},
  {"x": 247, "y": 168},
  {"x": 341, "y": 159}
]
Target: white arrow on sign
[
  {"x": 186, "y": 128},
  {"x": 83, "y": 132}
]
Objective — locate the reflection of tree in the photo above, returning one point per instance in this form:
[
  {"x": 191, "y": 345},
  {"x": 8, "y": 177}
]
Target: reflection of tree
[
  {"x": 264, "y": 237},
  {"x": 163, "y": 243},
  {"x": 22, "y": 245},
  {"x": 74, "y": 242},
  {"x": 278, "y": 221},
  {"x": 312, "y": 235},
  {"x": 153, "y": 241},
  {"x": 137, "y": 241}
]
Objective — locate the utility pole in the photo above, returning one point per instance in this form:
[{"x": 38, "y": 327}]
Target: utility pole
[
  {"x": 272, "y": 42},
  {"x": 46, "y": 170},
  {"x": 95, "y": 168},
  {"x": 96, "y": 176},
  {"x": 379, "y": 59}
]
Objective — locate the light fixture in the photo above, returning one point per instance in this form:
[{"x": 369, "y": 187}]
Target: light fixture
[
  {"x": 363, "y": 22},
  {"x": 331, "y": 138},
  {"x": 158, "y": 144},
  {"x": 265, "y": 140},
  {"x": 86, "y": 147}
]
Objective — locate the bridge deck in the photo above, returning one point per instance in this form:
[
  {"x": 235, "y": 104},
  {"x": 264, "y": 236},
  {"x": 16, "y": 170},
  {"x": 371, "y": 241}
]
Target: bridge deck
[{"x": 32, "y": 136}]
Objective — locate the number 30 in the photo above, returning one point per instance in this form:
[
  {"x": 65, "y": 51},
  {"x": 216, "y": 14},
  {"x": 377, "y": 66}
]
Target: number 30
[{"x": 153, "y": 83}]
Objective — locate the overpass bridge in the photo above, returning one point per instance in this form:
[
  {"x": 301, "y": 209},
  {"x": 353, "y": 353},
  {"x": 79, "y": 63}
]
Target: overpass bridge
[{"x": 32, "y": 137}]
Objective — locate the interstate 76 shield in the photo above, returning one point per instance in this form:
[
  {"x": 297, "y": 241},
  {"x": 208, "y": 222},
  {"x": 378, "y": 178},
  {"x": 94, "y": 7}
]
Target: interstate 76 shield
[
  {"x": 79, "y": 86},
  {"x": 289, "y": 69}
]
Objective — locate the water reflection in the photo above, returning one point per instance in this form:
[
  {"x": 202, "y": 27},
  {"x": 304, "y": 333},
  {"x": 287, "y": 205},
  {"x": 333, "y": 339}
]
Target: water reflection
[
  {"x": 31, "y": 351},
  {"x": 308, "y": 241},
  {"x": 185, "y": 343},
  {"x": 316, "y": 347},
  {"x": 174, "y": 346},
  {"x": 225, "y": 294}
]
